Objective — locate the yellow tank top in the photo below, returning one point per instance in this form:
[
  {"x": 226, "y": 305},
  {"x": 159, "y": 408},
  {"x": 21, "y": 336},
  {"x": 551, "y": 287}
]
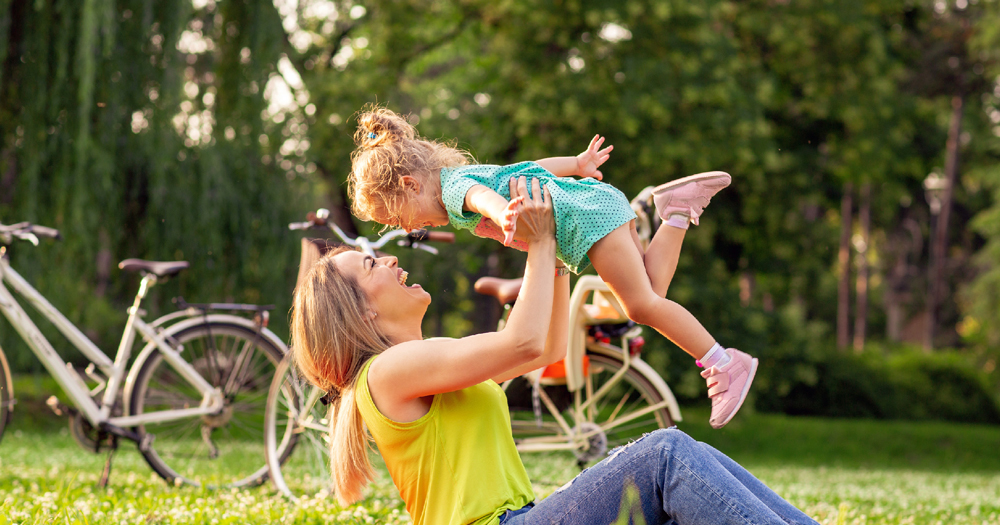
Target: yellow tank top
[{"x": 456, "y": 465}]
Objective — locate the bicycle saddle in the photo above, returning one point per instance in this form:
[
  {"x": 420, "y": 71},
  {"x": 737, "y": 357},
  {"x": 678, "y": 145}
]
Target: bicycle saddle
[
  {"x": 158, "y": 268},
  {"x": 505, "y": 290}
]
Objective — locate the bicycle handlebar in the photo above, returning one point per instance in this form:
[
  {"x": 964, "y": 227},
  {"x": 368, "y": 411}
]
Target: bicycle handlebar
[
  {"x": 413, "y": 239},
  {"x": 433, "y": 236},
  {"x": 27, "y": 232}
]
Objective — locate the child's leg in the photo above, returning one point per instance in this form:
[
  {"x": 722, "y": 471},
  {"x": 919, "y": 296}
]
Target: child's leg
[
  {"x": 661, "y": 257},
  {"x": 678, "y": 203},
  {"x": 729, "y": 373},
  {"x": 620, "y": 264}
]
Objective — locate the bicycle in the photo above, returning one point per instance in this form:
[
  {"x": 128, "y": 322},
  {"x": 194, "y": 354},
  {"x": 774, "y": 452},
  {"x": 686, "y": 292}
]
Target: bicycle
[
  {"x": 192, "y": 399},
  {"x": 295, "y": 415},
  {"x": 601, "y": 395}
]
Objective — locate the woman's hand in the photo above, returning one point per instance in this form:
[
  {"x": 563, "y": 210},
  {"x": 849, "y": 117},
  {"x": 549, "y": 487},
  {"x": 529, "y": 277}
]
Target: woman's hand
[
  {"x": 592, "y": 158},
  {"x": 535, "y": 220}
]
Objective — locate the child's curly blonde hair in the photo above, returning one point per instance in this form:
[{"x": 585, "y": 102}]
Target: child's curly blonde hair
[{"x": 388, "y": 148}]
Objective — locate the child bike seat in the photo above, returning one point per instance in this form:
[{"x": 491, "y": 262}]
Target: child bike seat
[{"x": 505, "y": 290}]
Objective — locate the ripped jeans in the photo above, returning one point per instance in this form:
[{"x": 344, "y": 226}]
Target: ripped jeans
[{"x": 666, "y": 477}]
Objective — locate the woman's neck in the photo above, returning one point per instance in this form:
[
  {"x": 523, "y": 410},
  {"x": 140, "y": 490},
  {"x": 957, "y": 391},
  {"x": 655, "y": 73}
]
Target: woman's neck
[{"x": 401, "y": 332}]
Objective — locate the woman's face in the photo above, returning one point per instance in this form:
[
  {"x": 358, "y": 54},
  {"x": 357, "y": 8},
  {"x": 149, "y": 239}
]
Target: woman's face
[{"x": 384, "y": 282}]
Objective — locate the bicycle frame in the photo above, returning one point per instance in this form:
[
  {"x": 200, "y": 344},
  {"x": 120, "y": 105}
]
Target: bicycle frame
[{"x": 115, "y": 371}]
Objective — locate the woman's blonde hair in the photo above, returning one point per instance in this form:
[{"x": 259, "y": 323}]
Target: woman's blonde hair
[
  {"x": 388, "y": 148},
  {"x": 333, "y": 336}
]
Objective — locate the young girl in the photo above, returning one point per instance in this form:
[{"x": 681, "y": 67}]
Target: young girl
[{"x": 400, "y": 179}]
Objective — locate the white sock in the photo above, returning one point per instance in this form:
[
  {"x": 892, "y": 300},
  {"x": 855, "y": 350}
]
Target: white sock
[
  {"x": 716, "y": 356},
  {"x": 678, "y": 221}
]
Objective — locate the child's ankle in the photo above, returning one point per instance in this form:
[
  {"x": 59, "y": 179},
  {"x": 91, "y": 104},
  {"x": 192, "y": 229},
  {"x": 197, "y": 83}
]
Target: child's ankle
[
  {"x": 678, "y": 221},
  {"x": 716, "y": 356}
]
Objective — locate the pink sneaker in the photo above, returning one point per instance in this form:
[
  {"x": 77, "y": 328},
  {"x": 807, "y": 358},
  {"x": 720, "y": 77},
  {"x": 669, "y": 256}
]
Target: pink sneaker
[
  {"x": 689, "y": 196},
  {"x": 728, "y": 386}
]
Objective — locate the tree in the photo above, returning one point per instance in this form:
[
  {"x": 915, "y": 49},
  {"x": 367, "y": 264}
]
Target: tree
[{"x": 135, "y": 128}]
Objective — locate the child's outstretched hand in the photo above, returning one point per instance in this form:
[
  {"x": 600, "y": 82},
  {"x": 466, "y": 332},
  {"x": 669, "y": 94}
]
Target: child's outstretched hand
[
  {"x": 508, "y": 221},
  {"x": 591, "y": 159}
]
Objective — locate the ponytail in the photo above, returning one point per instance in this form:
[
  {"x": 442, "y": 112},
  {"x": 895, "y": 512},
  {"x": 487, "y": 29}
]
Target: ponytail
[
  {"x": 332, "y": 339},
  {"x": 350, "y": 467}
]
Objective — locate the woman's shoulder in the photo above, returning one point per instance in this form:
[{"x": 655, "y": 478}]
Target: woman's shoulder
[{"x": 378, "y": 408}]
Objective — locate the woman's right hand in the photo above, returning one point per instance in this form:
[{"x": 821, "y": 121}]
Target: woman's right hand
[{"x": 535, "y": 219}]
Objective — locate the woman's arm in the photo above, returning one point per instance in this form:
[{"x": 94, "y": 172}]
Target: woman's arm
[
  {"x": 558, "y": 338},
  {"x": 415, "y": 369}
]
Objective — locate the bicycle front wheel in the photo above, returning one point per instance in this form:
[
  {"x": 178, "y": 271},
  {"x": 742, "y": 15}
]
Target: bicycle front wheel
[
  {"x": 224, "y": 449},
  {"x": 616, "y": 405},
  {"x": 626, "y": 408},
  {"x": 6, "y": 393},
  {"x": 296, "y": 419}
]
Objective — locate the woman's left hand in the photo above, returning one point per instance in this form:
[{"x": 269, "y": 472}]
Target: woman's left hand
[{"x": 535, "y": 219}]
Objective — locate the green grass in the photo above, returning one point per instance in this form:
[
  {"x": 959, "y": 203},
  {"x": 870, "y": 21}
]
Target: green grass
[
  {"x": 868, "y": 472},
  {"x": 839, "y": 471}
]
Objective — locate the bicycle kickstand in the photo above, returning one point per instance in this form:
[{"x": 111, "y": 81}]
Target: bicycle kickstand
[{"x": 106, "y": 473}]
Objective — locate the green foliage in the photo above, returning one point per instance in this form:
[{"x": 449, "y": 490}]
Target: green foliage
[
  {"x": 905, "y": 384},
  {"x": 136, "y": 129},
  {"x": 795, "y": 99}
]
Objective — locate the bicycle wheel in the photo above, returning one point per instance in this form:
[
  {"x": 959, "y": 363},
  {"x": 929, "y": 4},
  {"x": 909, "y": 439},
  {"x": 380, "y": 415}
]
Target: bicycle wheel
[
  {"x": 616, "y": 405},
  {"x": 295, "y": 419},
  {"x": 216, "y": 450},
  {"x": 6, "y": 393}
]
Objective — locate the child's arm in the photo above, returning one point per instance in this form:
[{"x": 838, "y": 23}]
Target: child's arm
[
  {"x": 584, "y": 164},
  {"x": 492, "y": 205}
]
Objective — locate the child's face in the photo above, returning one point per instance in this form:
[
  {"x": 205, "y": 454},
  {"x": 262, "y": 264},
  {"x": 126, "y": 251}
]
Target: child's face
[{"x": 414, "y": 210}]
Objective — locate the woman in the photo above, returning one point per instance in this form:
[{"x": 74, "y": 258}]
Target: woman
[{"x": 440, "y": 421}]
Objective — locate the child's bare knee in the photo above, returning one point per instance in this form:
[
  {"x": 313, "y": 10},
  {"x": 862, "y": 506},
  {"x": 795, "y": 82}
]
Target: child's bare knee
[{"x": 642, "y": 312}]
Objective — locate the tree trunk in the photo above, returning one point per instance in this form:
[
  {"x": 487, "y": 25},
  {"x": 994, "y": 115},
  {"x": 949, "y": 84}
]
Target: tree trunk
[
  {"x": 8, "y": 174},
  {"x": 340, "y": 211},
  {"x": 844, "y": 259},
  {"x": 939, "y": 244},
  {"x": 861, "y": 285}
]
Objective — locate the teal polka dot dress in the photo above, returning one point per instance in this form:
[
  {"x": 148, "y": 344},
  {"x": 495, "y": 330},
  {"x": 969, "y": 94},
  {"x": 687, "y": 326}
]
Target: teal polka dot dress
[{"x": 585, "y": 209}]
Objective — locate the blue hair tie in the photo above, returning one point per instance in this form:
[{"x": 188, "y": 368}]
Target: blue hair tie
[{"x": 371, "y": 135}]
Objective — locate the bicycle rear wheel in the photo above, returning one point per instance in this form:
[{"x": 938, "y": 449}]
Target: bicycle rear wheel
[
  {"x": 6, "y": 393},
  {"x": 617, "y": 404},
  {"x": 225, "y": 449},
  {"x": 296, "y": 419}
]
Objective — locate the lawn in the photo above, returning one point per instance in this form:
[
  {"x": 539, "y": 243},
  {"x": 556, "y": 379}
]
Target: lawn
[{"x": 839, "y": 471}]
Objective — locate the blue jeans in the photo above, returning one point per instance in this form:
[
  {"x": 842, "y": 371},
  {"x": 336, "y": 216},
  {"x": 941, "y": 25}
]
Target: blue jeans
[{"x": 667, "y": 477}]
